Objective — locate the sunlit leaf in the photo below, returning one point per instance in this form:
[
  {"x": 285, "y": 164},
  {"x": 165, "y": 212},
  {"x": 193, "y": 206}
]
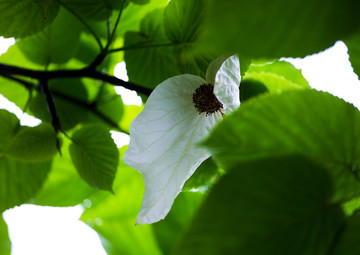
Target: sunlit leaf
[
  {"x": 95, "y": 156},
  {"x": 263, "y": 207}
]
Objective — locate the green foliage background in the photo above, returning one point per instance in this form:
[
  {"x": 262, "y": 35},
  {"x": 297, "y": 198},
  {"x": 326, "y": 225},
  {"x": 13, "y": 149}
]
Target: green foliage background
[{"x": 284, "y": 173}]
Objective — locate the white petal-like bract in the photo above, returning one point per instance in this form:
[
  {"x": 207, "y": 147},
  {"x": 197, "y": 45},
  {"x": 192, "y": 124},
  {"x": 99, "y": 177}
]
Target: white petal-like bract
[{"x": 164, "y": 136}]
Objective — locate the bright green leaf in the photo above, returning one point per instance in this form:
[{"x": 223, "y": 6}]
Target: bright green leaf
[
  {"x": 33, "y": 144},
  {"x": 267, "y": 206},
  {"x": 5, "y": 243},
  {"x": 308, "y": 122},
  {"x": 21, "y": 18},
  {"x": 20, "y": 181},
  {"x": 279, "y": 28},
  {"x": 56, "y": 44},
  {"x": 276, "y": 75},
  {"x": 149, "y": 66},
  {"x": 95, "y": 156}
]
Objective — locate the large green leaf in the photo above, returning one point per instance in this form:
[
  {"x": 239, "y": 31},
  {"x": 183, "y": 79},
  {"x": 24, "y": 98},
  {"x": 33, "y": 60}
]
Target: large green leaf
[
  {"x": 113, "y": 216},
  {"x": 308, "y": 122},
  {"x": 267, "y": 206},
  {"x": 20, "y": 181},
  {"x": 63, "y": 186},
  {"x": 278, "y": 28},
  {"x": 353, "y": 44},
  {"x": 95, "y": 156},
  {"x": 33, "y": 144},
  {"x": 56, "y": 44},
  {"x": 183, "y": 21},
  {"x": 5, "y": 243},
  {"x": 169, "y": 231},
  {"x": 150, "y": 66},
  {"x": 20, "y": 18},
  {"x": 270, "y": 76}
]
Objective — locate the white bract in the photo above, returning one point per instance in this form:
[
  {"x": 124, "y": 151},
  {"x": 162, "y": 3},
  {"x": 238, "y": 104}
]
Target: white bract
[{"x": 164, "y": 136}]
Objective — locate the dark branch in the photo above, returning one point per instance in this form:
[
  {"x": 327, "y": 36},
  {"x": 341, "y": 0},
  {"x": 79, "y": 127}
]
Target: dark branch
[
  {"x": 55, "y": 121},
  {"x": 8, "y": 70}
]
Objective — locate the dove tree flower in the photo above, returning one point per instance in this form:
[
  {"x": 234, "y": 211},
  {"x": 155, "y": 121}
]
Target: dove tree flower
[{"x": 164, "y": 137}]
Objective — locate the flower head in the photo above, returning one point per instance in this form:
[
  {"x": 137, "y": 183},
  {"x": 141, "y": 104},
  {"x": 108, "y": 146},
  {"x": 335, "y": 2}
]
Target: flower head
[{"x": 179, "y": 113}]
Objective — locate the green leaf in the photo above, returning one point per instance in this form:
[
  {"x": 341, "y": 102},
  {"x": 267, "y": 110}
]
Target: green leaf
[
  {"x": 353, "y": 44},
  {"x": 250, "y": 88},
  {"x": 267, "y": 206},
  {"x": 56, "y": 44},
  {"x": 133, "y": 15},
  {"x": 95, "y": 10},
  {"x": 169, "y": 231},
  {"x": 278, "y": 28},
  {"x": 113, "y": 216},
  {"x": 347, "y": 242},
  {"x": 183, "y": 21},
  {"x": 5, "y": 243},
  {"x": 33, "y": 144},
  {"x": 140, "y": 1},
  {"x": 63, "y": 186},
  {"x": 9, "y": 122},
  {"x": 20, "y": 181},
  {"x": 204, "y": 175},
  {"x": 307, "y": 122},
  {"x": 148, "y": 66},
  {"x": 95, "y": 156},
  {"x": 276, "y": 75},
  {"x": 21, "y": 18},
  {"x": 110, "y": 105}
]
